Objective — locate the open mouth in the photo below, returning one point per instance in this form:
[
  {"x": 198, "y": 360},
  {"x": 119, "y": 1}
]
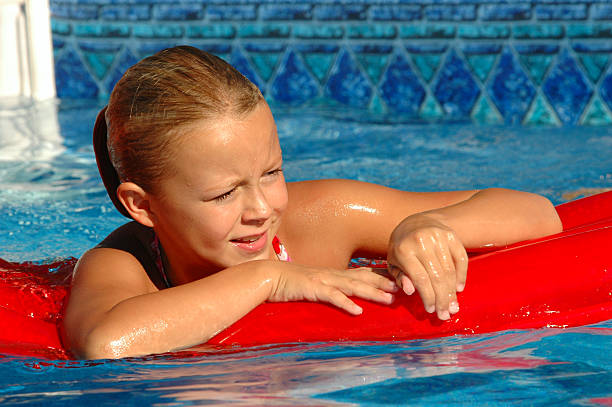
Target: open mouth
[{"x": 252, "y": 243}]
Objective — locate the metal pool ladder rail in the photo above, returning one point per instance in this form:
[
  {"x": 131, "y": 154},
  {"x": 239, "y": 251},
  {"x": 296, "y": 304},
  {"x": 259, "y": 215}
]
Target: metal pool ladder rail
[{"x": 26, "y": 55}]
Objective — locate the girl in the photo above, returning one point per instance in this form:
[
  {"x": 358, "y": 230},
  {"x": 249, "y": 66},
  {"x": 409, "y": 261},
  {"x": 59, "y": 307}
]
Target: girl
[{"x": 188, "y": 149}]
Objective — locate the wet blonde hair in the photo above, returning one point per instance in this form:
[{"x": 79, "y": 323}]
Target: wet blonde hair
[{"x": 155, "y": 102}]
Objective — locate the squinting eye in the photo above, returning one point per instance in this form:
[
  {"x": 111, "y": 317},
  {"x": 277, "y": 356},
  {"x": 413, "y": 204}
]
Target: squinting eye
[
  {"x": 224, "y": 196},
  {"x": 274, "y": 172}
]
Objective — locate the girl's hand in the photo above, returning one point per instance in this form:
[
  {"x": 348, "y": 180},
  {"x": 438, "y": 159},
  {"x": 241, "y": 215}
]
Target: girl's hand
[
  {"x": 296, "y": 282},
  {"x": 426, "y": 255}
]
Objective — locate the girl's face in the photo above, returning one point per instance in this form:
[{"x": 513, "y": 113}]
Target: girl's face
[{"x": 223, "y": 202}]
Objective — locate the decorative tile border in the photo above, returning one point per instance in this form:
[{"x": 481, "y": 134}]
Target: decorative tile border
[{"x": 491, "y": 61}]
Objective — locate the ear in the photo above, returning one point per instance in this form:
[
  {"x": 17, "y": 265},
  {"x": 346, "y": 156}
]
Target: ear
[{"x": 137, "y": 202}]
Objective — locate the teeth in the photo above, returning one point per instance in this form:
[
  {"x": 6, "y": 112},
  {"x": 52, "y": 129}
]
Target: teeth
[{"x": 247, "y": 239}]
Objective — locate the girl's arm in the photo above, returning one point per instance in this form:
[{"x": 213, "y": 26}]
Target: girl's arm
[
  {"x": 115, "y": 310},
  {"x": 423, "y": 235}
]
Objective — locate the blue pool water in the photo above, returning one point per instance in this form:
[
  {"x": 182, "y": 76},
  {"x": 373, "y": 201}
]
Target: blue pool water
[{"x": 53, "y": 205}]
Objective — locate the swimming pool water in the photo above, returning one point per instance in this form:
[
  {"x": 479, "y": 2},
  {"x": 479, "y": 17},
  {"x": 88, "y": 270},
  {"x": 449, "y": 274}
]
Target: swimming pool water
[{"x": 53, "y": 205}]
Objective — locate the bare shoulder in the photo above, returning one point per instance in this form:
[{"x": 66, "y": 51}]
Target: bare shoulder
[
  {"x": 103, "y": 277},
  {"x": 353, "y": 217}
]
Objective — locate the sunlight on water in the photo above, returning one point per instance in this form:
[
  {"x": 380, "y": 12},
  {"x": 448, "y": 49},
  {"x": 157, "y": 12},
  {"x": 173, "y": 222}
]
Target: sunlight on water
[{"x": 549, "y": 366}]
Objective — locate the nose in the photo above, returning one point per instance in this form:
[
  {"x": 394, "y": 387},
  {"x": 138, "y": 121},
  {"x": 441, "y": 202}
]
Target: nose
[{"x": 257, "y": 210}]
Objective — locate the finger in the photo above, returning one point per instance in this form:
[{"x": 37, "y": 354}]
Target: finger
[
  {"x": 438, "y": 284},
  {"x": 339, "y": 299},
  {"x": 461, "y": 262},
  {"x": 357, "y": 288},
  {"x": 448, "y": 300},
  {"x": 420, "y": 278},
  {"x": 402, "y": 280},
  {"x": 374, "y": 279}
]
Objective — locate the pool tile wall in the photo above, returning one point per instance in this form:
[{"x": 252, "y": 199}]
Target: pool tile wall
[{"x": 517, "y": 62}]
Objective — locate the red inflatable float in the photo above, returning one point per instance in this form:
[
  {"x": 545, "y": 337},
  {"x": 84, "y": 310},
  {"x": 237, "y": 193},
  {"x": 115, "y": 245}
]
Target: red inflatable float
[{"x": 558, "y": 281}]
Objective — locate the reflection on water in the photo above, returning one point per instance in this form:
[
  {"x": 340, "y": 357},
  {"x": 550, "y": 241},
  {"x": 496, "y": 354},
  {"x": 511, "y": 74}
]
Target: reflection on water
[
  {"x": 546, "y": 365},
  {"x": 29, "y": 131}
]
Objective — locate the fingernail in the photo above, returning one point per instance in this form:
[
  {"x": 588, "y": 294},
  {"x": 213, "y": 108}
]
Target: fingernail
[
  {"x": 389, "y": 297},
  {"x": 407, "y": 285},
  {"x": 430, "y": 309},
  {"x": 357, "y": 310},
  {"x": 460, "y": 287},
  {"x": 443, "y": 315},
  {"x": 454, "y": 307}
]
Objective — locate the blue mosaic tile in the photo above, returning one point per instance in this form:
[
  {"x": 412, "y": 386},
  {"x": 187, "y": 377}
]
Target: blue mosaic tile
[
  {"x": 211, "y": 31},
  {"x": 318, "y": 31},
  {"x": 75, "y": 12},
  {"x": 347, "y": 84},
  {"x": 481, "y": 65},
  {"x": 541, "y": 113},
  {"x": 400, "y": 88},
  {"x": 427, "y": 64},
  {"x": 320, "y": 48},
  {"x": 231, "y": 12},
  {"x": 594, "y": 65},
  {"x": 596, "y": 114},
  {"x": 58, "y": 43},
  {"x": 241, "y": 63},
  {"x": 72, "y": 80},
  {"x": 377, "y": 105},
  {"x": 264, "y": 47},
  {"x": 481, "y": 49},
  {"x": 318, "y": 58},
  {"x": 484, "y": 112},
  {"x": 101, "y": 30},
  {"x": 285, "y": 11},
  {"x": 601, "y": 11},
  {"x": 510, "y": 89},
  {"x": 428, "y": 48},
  {"x": 61, "y": 28},
  {"x": 536, "y": 48},
  {"x": 319, "y": 63},
  {"x": 561, "y": 12},
  {"x": 158, "y": 31},
  {"x": 451, "y": 13},
  {"x": 455, "y": 88},
  {"x": 396, "y": 12},
  {"x": 265, "y": 63},
  {"x": 293, "y": 83},
  {"x": 538, "y": 31},
  {"x": 430, "y": 109},
  {"x": 375, "y": 31},
  {"x": 126, "y": 60},
  {"x": 492, "y": 12},
  {"x": 484, "y": 31},
  {"x": 125, "y": 13},
  {"x": 580, "y": 46},
  {"x": 328, "y": 12},
  {"x": 536, "y": 66},
  {"x": 427, "y": 31},
  {"x": 566, "y": 89},
  {"x": 372, "y": 48},
  {"x": 373, "y": 65},
  {"x": 178, "y": 12},
  {"x": 605, "y": 88},
  {"x": 589, "y": 31},
  {"x": 264, "y": 30},
  {"x": 99, "y": 61}
]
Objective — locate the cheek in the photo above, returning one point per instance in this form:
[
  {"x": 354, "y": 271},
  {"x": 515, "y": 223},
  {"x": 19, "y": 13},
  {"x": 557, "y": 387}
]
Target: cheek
[
  {"x": 277, "y": 196},
  {"x": 218, "y": 223}
]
